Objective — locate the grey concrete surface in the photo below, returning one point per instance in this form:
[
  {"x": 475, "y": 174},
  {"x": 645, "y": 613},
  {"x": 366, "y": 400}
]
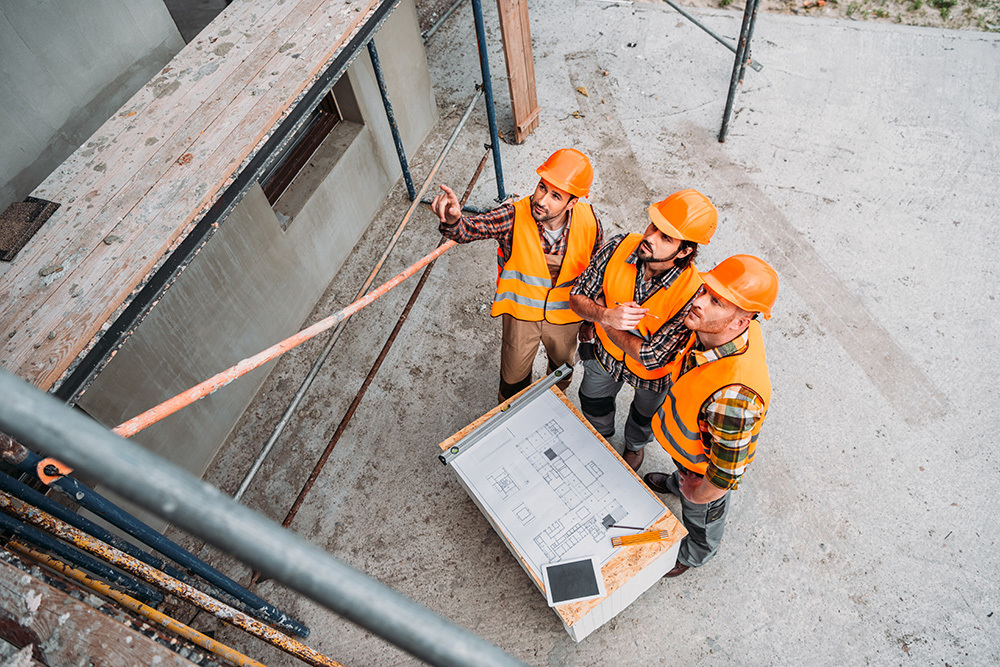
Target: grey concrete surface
[{"x": 861, "y": 163}]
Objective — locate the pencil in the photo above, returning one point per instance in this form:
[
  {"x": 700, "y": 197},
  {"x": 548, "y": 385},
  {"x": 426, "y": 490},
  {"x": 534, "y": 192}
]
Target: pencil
[{"x": 655, "y": 317}]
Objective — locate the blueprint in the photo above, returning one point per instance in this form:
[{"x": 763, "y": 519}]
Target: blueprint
[{"x": 552, "y": 486}]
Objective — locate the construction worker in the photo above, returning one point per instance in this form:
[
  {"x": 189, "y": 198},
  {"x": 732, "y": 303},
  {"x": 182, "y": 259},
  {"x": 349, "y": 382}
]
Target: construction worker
[
  {"x": 717, "y": 400},
  {"x": 544, "y": 242},
  {"x": 637, "y": 292}
]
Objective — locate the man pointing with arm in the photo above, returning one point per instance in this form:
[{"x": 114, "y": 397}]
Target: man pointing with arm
[{"x": 544, "y": 242}]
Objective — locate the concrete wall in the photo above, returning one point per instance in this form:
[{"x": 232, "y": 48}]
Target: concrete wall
[
  {"x": 257, "y": 280},
  {"x": 67, "y": 66}
]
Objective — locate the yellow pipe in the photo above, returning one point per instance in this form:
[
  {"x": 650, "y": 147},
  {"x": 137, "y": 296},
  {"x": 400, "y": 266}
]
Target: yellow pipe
[
  {"x": 220, "y": 610},
  {"x": 129, "y": 602}
]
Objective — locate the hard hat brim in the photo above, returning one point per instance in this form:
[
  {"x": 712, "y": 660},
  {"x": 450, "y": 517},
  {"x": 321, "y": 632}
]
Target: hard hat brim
[
  {"x": 663, "y": 224},
  {"x": 723, "y": 291}
]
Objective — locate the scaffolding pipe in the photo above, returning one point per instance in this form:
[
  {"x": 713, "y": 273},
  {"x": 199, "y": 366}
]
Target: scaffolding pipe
[
  {"x": 43, "y": 502},
  {"x": 753, "y": 22},
  {"x": 107, "y": 510},
  {"x": 163, "y": 488},
  {"x": 484, "y": 66},
  {"x": 129, "y": 602},
  {"x": 391, "y": 117},
  {"x": 122, "y": 560},
  {"x": 721, "y": 40},
  {"x": 427, "y": 34},
  {"x": 335, "y": 336},
  {"x": 739, "y": 63},
  {"x": 49, "y": 543},
  {"x": 314, "y": 475}
]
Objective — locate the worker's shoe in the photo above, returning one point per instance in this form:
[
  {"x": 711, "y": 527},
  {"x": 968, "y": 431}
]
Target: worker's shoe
[
  {"x": 634, "y": 458},
  {"x": 659, "y": 482},
  {"x": 679, "y": 569}
]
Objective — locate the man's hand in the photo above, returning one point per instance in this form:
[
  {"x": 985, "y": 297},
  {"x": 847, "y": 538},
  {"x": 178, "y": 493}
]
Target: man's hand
[
  {"x": 624, "y": 317},
  {"x": 446, "y": 206},
  {"x": 587, "y": 333}
]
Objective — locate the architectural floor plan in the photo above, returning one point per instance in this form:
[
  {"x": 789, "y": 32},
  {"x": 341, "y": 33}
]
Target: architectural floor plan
[{"x": 552, "y": 486}]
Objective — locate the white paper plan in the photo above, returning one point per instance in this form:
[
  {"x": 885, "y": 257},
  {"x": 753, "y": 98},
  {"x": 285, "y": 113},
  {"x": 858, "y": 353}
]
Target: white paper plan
[{"x": 552, "y": 487}]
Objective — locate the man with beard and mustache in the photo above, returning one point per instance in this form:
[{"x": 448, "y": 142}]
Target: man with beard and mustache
[
  {"x": 637, "y": 292},
  {"x": 544, "y": 242},
  {"x": 716, "y": 403}
]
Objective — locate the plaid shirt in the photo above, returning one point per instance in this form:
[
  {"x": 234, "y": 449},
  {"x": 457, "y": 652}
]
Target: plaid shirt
[
  {"x": 498, "y": 224},
  {"x": 727, "y": 418},
  {"x": 661, "y": 347}
]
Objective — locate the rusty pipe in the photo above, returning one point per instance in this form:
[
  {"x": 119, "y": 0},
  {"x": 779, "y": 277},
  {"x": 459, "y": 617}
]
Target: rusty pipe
[
  {"x": 131, "y": 603},
  {"x": 167, "y": 583}
]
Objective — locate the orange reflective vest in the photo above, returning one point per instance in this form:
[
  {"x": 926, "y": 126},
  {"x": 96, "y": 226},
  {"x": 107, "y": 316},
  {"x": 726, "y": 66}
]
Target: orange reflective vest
[
  {"x": 619, "y": 287},
  {"x": 531, "y": 289},
  {"x": 675, "y": 424}
]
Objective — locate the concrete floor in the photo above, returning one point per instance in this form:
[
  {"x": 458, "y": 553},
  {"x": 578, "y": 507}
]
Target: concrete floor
[{"x": 862, "y": 163}]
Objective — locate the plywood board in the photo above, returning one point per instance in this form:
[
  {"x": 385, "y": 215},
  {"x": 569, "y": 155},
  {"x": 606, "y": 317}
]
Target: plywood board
[
  {"x": 133, "y": 192},
  {"x": 538, "y": 431}
]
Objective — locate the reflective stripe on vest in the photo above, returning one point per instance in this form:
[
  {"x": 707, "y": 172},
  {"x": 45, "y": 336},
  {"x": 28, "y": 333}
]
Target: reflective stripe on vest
[
  {"x": 619, "y": 286},
  {"x": 675, "y": 424},
  {"x": 524, "y": 283}
]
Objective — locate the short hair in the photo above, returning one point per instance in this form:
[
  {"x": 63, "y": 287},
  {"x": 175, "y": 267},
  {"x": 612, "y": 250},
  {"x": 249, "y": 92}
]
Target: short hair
[{"x": 685, "y": 261}]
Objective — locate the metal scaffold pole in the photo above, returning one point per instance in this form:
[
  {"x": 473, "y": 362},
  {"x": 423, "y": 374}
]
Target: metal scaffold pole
[
  {"x": 46, "y": 424},
  {"x": 484, "y": 66}
]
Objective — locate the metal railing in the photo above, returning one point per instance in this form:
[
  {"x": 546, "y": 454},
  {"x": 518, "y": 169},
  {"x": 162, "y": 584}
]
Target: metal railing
[{"x": 49, "y": 426}]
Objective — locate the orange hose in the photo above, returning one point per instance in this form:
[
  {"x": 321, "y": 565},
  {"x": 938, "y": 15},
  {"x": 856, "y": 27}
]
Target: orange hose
[{"x": 220, "y": 380}]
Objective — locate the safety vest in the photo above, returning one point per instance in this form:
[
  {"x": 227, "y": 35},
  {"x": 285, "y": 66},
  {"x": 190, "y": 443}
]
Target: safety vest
[
  {"x": 675, "y": 424},
  {"x": 526, "y": 288},
  {"x": 619, "y": 287}
]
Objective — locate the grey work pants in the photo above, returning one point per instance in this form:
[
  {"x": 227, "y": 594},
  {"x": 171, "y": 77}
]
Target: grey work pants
[
  {"x": 705, "y": 525},
  {"x": 598, "y": 390}
]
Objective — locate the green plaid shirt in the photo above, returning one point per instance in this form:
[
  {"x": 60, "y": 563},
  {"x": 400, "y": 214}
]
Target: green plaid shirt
[{"x": 727, "y": 418}]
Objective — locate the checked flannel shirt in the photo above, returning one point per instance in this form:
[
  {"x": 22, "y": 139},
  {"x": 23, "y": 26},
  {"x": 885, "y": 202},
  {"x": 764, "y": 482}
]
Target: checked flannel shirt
[
  {"x": 727, "y": 418},
  {"x": 663, "y": 345},
  {"x": 498, "y": 224}
]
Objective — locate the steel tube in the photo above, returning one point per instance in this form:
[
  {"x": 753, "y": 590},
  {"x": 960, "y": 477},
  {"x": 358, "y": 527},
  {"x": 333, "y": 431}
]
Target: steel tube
[
  {"x": 29, "y": 495},
  {"x": 107, "y": 510},
  {"x": 40, "y": 421},
  {"x": 335, "y": 336},
  {"x": 122, "y": 560},
  {"x": 721, "y": 40},
  {"x": 484, "y": 66},
  {"x": 427, "y": 34},
  {"x": 129, "y": 602},
  {"x": 753, "y": 23},
  {"x": 39, "y": 538},
  {"x": 391, "y": 117},
  {"x": 314, "y": 475},
  {"x": 738, "y": 64}
]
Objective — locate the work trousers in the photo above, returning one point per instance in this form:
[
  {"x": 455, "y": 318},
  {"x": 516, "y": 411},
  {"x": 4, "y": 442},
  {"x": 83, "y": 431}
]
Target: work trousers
[
  {"x": 597, "y": 402},
  {"x": 705, "y": 524},
  {"x": 520, "y": 344}
]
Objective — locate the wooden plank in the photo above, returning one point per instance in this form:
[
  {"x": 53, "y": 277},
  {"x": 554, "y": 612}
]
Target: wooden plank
[
  {"x": 65, "y": 631},
  {"x": 102, "y": 189},
  {"x": 179, "y": 197},
  {"x": 516, "y": 32},
  {"x": 629, "y": 561},
  {"x": 236, "y": 25}
]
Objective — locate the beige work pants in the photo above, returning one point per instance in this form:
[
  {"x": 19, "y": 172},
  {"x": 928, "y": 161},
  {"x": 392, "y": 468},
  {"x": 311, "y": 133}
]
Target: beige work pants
[{"x": 520, "y": 344}]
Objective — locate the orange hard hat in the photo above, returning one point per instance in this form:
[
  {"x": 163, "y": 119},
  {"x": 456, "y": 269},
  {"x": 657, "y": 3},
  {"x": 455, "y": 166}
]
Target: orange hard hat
[
  {"x": 747, "y": 281},
  {"x": 687, "y": 215},
  {"x": 568, "y": 169}
]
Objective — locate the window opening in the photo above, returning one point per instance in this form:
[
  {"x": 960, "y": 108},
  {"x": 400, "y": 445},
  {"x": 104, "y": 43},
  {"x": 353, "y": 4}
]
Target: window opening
[{"x": 297, "y": 153}]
